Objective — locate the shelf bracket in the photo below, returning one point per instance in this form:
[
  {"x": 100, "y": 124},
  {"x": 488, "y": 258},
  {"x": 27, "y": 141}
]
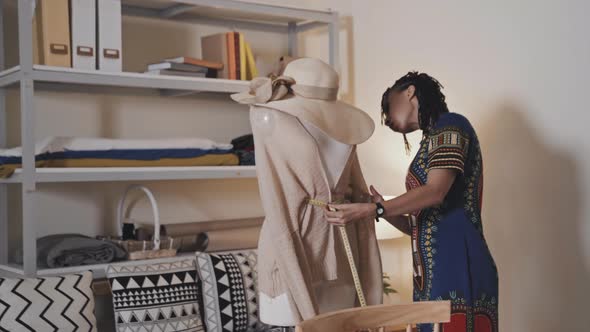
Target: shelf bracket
[
  {"x": 175, "y": 10},
  {"x": 302, "y": 27}
]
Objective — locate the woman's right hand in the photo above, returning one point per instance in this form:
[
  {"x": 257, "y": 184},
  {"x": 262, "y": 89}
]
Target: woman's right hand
[{"x": 376, "y": 197}]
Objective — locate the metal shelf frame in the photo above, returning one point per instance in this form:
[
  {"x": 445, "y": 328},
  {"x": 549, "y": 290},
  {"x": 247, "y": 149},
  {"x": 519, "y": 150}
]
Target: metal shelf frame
[{"x": 28, "y": 78}]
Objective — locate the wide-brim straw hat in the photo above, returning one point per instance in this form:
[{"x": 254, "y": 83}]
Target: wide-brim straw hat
[{"x": 308, "y": 89}]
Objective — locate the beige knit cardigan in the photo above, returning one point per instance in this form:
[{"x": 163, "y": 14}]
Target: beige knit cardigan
[{"x": 297, "y": 247}]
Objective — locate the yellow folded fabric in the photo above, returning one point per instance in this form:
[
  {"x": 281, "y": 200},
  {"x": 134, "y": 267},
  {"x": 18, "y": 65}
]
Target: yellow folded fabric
[{"x": 227, "y": 159}]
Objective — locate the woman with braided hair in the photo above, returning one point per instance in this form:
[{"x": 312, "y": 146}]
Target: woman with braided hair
[{"x": 445, "y": 181}]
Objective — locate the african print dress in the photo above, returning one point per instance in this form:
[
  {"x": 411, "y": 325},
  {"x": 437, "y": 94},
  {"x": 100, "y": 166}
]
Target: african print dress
[{"x": 451, "y": 258}]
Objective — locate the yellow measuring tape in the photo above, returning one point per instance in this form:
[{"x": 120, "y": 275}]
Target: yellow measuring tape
[{"x": 349, "y": 255}]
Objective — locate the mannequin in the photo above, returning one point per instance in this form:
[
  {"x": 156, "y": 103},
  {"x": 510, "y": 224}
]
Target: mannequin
[
  {"x": 277, "y": 311},
  {"x": 306, "y": 158}
]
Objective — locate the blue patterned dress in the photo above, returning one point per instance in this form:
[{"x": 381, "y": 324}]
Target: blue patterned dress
[{"x": 451, "y": 257}]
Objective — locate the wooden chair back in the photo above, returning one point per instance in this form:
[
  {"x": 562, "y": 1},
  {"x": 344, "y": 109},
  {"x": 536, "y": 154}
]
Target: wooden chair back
[{"x": 380, "y": 316}]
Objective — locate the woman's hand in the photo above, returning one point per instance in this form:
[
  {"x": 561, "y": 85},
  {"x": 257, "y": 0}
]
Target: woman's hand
[{"x": 342, "y": 214}]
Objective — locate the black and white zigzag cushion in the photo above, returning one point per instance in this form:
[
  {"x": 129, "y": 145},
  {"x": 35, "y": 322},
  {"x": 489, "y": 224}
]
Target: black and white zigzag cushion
[
  {"x": 47, "y": 304},
  {"x": 156, "y": 297},
  {"x": 230, "y": 291}
]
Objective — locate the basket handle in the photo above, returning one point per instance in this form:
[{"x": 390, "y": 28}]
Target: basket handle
[{"x": 155, "y": 212}]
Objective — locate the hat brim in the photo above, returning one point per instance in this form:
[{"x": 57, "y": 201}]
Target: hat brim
[{"x": 341, "y": 121}]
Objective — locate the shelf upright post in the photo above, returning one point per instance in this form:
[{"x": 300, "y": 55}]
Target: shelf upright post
[
  {"x": 26, "y": 9},
  {"x": 3, "y": 139},
  {"x": 292, "y": 38},
  {"x": 334, "y": 35}
]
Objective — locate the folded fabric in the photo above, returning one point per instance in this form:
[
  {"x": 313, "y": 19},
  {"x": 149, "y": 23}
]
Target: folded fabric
[
  {"x": 102, "y": 152},
  {"x": 61, "y": 144},
  {"x": 245, "y": 142},
  {"x": 247, "y": 158},
  {"x": 80, "y": 147},
  {"x": 226, "y": 159},
  {"x": 61, "y": 250}
]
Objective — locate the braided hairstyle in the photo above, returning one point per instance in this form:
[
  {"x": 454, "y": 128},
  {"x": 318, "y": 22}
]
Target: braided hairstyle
[{"x": 429, "y": 94}]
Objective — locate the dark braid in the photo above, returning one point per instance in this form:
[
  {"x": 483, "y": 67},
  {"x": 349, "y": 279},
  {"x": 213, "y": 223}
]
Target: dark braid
[{"x": 429, "y": 94}]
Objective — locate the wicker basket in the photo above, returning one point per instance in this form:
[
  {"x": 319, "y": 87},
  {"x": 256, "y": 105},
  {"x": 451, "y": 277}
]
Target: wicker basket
[{"x": 144, "y": 249}]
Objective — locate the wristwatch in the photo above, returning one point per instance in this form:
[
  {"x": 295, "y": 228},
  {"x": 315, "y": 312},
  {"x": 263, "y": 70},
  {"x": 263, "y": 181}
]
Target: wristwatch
[{"x": 380, "y": 211}]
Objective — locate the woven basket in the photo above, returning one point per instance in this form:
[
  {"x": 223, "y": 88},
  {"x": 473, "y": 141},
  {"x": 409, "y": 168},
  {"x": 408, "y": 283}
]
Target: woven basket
[{"x": 144, "y": 249}]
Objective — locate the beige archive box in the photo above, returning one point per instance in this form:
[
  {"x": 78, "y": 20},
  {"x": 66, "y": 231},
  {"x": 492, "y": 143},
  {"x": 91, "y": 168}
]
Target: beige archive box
[{"x": 51, "y": 33}]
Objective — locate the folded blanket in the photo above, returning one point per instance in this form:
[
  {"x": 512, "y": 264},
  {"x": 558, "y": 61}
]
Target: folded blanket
[
  {"x": 63, "y": 250},
  {"x": 61, "y": 144},
  {"x": 101, "y": 152}
]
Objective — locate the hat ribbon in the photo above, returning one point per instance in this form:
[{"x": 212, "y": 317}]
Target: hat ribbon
[{"x": 266, "y": 89}]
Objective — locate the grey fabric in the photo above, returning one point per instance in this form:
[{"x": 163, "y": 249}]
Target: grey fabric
[{"x": 62, "y": 250}]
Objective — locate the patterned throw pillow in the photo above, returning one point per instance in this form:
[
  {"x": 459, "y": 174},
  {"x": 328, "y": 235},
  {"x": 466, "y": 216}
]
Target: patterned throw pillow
[
  {"x": 230, "y": 291},
  {"x": 63, "y": 303},
  {"x": 156, "y": 296}
]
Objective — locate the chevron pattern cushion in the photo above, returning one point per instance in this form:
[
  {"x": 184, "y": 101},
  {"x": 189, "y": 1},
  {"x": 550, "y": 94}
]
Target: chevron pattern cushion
[
  {"x": 47, "y": 304},
  {"x": 230, "y": 291},
  {"x": 156, "y": 297}
]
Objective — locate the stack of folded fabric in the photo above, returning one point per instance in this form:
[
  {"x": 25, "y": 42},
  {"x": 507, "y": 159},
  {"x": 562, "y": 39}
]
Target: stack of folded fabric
[
  {"x": 61, "y": 250},
  {"x": 244, "y": 149},
  {"x": 103, "y": 152}
]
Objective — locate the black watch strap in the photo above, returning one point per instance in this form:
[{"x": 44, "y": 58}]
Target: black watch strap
[{"x": 380, "y": 211}]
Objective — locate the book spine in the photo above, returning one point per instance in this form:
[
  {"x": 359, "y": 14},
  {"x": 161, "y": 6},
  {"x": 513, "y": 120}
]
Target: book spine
[
  {"x": 231, "y": 58},
  {"x": 237, "y": 56}
]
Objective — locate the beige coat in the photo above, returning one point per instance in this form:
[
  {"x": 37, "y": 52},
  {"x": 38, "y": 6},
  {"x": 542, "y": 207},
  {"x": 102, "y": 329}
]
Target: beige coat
[{"x": 297, "y": 246}]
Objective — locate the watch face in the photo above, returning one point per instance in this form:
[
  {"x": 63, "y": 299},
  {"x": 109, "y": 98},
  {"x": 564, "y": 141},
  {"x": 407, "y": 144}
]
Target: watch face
[{"x": 380, "y": 211}]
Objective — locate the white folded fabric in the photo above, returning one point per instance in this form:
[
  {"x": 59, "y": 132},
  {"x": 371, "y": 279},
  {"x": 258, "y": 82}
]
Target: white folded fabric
[{"x": 60, "y": 144}]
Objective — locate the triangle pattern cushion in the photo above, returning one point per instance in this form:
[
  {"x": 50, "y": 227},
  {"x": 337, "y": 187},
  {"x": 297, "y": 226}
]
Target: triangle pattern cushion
[
  {"x": 229, "y": 283},
  {"x": 153, "y": 297}
]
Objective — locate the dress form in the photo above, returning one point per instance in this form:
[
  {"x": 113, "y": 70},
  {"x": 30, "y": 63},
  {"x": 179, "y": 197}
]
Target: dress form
[{"x": 278, "y": 310}]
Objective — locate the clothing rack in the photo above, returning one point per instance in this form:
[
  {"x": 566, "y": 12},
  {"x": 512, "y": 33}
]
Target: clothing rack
[{"x": 30, "y": 78}]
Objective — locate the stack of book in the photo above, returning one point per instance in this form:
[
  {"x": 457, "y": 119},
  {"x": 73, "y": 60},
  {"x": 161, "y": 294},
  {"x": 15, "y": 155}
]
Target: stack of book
[
  {"x": 233, "y": 52},
  {"x": 186, "y": 66}
]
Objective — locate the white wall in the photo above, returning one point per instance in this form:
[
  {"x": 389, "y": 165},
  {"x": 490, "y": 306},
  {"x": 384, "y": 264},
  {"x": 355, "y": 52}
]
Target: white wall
[{"x": 519, "y": 71}]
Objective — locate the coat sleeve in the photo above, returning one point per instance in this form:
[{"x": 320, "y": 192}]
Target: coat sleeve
[
  {"x": 282, "y": 196},
  {"x": 369, "y": 262}
]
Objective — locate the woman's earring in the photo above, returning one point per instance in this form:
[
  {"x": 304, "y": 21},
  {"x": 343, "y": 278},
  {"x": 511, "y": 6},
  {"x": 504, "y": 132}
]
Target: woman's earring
[{"x": 407, "y": 145}]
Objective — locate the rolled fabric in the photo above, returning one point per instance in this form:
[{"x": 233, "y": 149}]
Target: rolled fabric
[
  {"x": 233, "y": 239},
  {"x": 222, "y": 235},
  {"x": 180, "y": 229}
]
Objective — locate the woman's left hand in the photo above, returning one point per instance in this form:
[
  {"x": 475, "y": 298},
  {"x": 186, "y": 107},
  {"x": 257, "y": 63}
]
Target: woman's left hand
[{"x": 342, "y": 214}]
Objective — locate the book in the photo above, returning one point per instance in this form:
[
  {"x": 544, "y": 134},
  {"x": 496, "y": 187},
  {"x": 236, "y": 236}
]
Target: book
[
  {"x": 175, "y": 73},
  {"x": 177, "y": 66},
  {"x": 197, "y": 62},
  {"x": 231, "y": 55},
  {"x": 51, "y": 35},
  {"x": 252, "y": 70},
  {"x": 214, "y": 49},
  {"x": 242, "y": 56}
]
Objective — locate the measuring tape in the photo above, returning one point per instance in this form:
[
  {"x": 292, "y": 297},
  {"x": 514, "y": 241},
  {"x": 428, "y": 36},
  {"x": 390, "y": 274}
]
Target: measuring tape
[{"x": 349, "y": 255}]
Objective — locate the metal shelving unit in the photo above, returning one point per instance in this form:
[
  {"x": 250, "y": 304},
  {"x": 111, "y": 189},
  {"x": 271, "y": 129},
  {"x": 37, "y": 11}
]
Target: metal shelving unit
[{"x": 29, "y": 78}]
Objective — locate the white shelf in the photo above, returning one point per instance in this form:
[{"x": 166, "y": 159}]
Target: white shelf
[
  {"x": 110, "y": 174},
  {"x": 74, "y": 77},
  {"x": 225, "y": 10}
]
